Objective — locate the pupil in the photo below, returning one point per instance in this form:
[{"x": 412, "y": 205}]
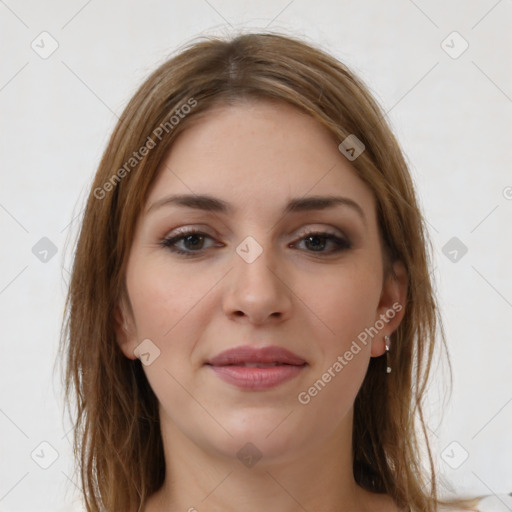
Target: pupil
[
  {"x": 193, "y": 237},
  {"x": 317, "y": 238}
]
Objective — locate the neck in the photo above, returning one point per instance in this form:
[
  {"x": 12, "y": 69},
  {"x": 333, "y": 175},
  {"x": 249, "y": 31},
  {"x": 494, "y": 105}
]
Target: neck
[{"x": 316, "y": 477}]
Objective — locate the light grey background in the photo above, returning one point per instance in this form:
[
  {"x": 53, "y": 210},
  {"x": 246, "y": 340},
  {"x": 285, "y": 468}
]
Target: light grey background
[{"x": 453, "y": 117}]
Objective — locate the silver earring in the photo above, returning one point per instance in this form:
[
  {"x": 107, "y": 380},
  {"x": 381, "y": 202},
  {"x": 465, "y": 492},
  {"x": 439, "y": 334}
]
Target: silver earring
[{"x": 387, "y": 340}]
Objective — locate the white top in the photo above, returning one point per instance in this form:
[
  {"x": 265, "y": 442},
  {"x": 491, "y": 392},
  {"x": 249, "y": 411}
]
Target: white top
[{"x": 490, "y": 503}]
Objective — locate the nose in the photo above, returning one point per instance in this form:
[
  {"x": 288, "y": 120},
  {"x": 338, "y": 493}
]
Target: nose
[{"x": 257, "y": 290}]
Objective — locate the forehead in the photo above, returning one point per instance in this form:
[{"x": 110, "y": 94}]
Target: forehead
[{"x": 258, "y": 153}]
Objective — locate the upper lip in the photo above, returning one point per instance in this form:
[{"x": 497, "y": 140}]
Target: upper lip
[{"x": 250, "y": 354}]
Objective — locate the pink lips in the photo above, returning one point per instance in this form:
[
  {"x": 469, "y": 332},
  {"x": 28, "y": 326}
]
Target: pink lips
[{"x": 252, "y": 368}]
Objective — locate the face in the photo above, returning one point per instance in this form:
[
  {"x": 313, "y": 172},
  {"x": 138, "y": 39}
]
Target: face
[{"x": 307, "y": 279}]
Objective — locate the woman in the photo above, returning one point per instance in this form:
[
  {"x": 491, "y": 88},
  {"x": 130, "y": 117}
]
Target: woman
[{"x": 251, "y": 320}]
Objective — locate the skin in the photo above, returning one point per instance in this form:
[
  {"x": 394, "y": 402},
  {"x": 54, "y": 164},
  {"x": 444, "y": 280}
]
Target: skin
[{"x": 257, "y": 156}]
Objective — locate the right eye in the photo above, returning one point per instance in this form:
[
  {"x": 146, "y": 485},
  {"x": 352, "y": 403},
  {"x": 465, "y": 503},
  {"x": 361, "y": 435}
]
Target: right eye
[{"x": 192, "y": 239}]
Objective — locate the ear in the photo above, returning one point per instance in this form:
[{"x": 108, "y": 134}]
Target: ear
[
  {"x": 125, "y": 330},
  {"x": 391, "y": 308}
]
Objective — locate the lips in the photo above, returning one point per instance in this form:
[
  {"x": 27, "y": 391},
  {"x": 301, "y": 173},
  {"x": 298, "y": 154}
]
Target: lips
[
  {"x": 253, "y": 355},
  {"x": 253, "y": 368}
]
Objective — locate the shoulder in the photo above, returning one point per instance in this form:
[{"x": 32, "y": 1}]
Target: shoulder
[
  {"x": 490, "y": 503},
  {"x": 495, "y": 503}
]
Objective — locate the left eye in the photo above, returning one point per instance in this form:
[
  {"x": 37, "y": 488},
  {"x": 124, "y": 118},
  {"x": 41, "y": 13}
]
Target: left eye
[
  {"x": 320, "y": 240},
  {"x": 194, "y": 241}
]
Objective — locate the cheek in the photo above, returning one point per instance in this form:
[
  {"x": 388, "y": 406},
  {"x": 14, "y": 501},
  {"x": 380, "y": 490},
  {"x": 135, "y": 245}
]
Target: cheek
[
  {"x": 155, "y": 305},
  {"x": 349, "y": 307},
  {"x": 163, "y": 297},
  {"x": 164, "y": 302},
  {"x": 349, "y": 303}
]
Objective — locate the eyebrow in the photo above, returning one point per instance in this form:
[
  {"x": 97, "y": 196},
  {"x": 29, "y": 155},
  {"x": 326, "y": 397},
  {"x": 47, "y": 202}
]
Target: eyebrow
[{"x": 214, "y": 204}]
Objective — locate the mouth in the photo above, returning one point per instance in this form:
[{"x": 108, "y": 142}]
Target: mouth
[
  {"x": 251, "y": 368},
  {"x": 256, "y": 365}
]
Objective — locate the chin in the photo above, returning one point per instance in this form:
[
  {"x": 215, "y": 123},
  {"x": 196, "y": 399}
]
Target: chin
[{"x": 270, "y": 434}]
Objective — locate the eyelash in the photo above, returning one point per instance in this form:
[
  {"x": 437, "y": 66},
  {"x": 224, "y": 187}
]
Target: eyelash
[{"x": 169, "y": 243}]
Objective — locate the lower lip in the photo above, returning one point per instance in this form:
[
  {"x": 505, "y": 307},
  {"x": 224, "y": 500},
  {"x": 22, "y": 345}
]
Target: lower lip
[{"x": 257, "y": 378}]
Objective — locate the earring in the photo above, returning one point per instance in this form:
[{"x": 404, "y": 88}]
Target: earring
[{"x": 387, "y": 340}]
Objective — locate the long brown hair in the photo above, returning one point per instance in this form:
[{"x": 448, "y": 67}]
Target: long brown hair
[{"x": 117, "y": 439}]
